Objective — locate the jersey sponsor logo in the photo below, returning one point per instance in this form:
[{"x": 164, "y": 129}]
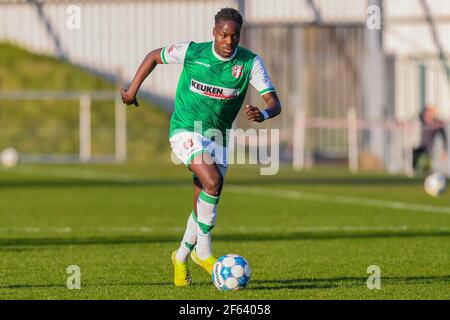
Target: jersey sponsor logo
[
  {"x": 237, "y": 71},
  {"x": 213, "y": 91}
]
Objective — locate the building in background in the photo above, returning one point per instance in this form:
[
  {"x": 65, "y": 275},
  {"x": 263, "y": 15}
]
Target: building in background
[{"x": 350, "y": 93}]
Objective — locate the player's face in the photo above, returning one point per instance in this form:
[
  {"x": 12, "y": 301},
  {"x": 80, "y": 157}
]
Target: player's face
[{"x": 227, "y": 36}]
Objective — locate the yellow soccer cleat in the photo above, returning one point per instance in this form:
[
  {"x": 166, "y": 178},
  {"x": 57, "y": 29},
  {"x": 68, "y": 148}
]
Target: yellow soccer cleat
[
  {"x": 206, "y": 264},
  {"x": 181, "y": 276}
]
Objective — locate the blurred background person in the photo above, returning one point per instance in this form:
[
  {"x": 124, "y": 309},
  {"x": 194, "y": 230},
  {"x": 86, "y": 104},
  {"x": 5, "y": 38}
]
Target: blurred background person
[{"x": 431, "y": 127}]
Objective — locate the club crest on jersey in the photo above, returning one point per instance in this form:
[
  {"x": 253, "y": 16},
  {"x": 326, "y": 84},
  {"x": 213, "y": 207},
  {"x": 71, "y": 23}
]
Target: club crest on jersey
[
  {"x": 188, "y": 144},
  {"x": 237, "y": 71},
  {"x": 178, "y": 47}
]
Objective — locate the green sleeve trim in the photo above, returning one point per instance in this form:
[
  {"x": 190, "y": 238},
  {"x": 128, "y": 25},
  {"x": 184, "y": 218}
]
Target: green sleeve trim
[
  {"x": 188, "y": 162},
  {"x": 208, "y": 198},
  {"x": 271, "y": 89},
  {"x": 163, "y": 58}
]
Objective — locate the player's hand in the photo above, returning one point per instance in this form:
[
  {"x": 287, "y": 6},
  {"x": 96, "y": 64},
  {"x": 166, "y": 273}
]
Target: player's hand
[
  {"x": 128, "y": 98},
  {"x": 253, "y": 114}
]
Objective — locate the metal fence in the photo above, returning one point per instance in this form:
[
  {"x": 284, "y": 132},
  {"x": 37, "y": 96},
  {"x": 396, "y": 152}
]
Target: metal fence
[
  {"x": 317, "y": 72},
  {"x": 22, "y": 130}
]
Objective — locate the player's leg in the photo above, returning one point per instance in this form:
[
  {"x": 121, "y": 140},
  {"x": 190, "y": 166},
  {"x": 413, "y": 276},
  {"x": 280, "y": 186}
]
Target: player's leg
[
  {"x": 179, "y": 257},
  {"x": 184, "y": 145},
  {"x": 198, "y": 187},
  {"x": 211, "y": 180},
  {"x": 190, "y": 234}
]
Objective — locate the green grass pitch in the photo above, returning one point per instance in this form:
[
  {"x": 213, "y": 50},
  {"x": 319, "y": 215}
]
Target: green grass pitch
[{"x": 306, "y": 235}]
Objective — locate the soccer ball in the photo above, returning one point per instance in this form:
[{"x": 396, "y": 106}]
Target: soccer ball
[
  {"x": 435, "y": 184},
  {"x": 231, "y": 272},
  {"x": 9, "y": 157}
]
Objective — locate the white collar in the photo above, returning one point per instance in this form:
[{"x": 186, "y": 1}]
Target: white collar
[{"x": 220, "y": 57}]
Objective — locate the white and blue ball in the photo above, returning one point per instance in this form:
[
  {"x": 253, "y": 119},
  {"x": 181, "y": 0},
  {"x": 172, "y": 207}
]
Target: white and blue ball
[
  {"x": 231, "y": 272},
  {"x": 435, "y": 184}
]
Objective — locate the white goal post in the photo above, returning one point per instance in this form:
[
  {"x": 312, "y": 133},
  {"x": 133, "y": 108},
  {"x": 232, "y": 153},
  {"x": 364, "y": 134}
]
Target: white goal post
[{"x": 85, "y": 152}]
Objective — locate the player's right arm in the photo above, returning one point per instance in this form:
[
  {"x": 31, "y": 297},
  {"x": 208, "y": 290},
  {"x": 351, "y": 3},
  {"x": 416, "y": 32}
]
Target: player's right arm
[
  {"x": 173, "y": 54},
  {"x": 147, "y": 66}
]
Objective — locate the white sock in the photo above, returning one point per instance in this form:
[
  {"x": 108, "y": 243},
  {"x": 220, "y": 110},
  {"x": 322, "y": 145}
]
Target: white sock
[
  {"x": 189, "y": 238},
  {"x": 206, "y": 220}
]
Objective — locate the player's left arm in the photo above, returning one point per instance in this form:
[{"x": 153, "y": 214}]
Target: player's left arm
[
  {"x": 273, "y": 108},
  {"x": 260, "y": 80}
]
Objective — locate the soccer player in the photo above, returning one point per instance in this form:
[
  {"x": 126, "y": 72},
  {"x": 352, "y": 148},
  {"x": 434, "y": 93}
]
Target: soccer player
[{"x": 210, "y": 93}]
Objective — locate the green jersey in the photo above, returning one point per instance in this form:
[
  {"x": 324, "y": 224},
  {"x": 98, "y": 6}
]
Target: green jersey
[{"x": 211, "y": 88}]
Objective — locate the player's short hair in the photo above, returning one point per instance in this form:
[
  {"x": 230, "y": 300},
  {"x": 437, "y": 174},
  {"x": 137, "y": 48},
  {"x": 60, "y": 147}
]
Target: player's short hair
[{"x": 229, "y": 14}]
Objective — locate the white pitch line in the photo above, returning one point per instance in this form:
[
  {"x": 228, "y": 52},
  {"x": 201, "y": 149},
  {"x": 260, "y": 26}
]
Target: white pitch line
[
  {"x": 157, "y": 230},
  {"x": 318, "y": 197},
  {"x": 73, "y": 173},
  {"x": 284, "y": 194},
  {"x": 96, "y": 230}
]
